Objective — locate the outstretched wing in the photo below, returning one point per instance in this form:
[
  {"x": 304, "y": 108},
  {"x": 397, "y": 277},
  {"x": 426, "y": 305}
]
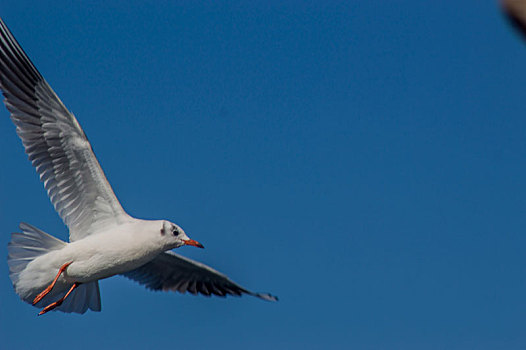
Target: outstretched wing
[
  {"x": 56, "y": 145},
  {"x": 170, "y": 271}
]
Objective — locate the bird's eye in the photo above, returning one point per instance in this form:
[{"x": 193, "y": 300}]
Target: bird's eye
[{"x": 176, "y": 231}]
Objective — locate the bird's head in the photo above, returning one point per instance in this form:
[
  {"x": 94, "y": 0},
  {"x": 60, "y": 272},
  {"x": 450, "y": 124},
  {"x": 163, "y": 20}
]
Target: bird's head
[{"x": 176, "y": 236}]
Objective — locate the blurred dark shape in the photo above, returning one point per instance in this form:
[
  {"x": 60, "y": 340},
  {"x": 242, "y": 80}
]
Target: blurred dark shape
[{"x": 515, "y": 11}]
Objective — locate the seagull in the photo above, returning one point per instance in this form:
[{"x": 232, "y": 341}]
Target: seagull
[{"x": 103, "y": 239}]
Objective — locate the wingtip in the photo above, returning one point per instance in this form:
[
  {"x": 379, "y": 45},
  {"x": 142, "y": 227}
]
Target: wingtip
[
  {"x": 24, "y": 226},
  {"x": 266, "y": 296}
]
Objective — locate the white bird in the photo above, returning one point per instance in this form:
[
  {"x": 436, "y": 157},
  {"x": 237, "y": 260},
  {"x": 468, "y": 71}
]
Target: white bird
[{"x": 104, "y": 239}]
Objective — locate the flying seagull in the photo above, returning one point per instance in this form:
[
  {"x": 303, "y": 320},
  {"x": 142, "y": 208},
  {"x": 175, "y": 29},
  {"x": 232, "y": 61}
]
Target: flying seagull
[{"x": 104, "y": 239}]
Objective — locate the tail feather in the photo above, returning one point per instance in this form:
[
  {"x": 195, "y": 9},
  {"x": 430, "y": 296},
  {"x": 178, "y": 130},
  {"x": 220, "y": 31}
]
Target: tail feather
[
  {"x": 86, "y": 296},
  {"x": 27, "y": 246},
  {"x": 30, "y": 244}
]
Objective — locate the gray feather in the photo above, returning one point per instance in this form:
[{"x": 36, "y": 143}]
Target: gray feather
[
  {"x": 56, "y": 145},
  {"x": 170, "y": 271}
]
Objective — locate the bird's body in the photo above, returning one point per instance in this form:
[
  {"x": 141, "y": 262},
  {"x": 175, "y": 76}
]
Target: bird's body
[
  {"x": 104, "y": 239},
  {"x": 100, "y": 255}
]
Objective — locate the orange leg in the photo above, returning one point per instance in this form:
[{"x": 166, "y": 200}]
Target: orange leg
[
  {"x": 50, "y": 287},
  {"x": 60, "y": 301}
]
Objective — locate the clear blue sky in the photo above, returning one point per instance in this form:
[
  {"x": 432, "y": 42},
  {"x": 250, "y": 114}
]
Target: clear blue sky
[{"x": 363, "y": 160}]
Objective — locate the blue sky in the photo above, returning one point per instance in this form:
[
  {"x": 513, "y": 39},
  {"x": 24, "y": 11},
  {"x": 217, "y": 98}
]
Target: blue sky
[{"x": 363, "y": 160}]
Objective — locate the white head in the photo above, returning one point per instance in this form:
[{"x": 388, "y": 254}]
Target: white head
[{"x": 175, "y": 236}]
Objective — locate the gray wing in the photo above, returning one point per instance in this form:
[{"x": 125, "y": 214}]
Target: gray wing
[
  {"x": 56, "y": 145},
  {"x": 170, "y": 271}
]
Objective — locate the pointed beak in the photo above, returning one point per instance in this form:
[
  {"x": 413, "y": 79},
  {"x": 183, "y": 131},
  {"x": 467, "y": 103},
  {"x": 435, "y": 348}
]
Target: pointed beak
[{"x": 194, "y": 243}]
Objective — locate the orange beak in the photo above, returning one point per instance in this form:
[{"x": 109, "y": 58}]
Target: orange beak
[{"x": 194, "y": 243}]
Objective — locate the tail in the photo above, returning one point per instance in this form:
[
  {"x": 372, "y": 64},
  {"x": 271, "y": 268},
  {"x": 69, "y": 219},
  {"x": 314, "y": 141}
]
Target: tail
[{"x": 29, "y": 245}]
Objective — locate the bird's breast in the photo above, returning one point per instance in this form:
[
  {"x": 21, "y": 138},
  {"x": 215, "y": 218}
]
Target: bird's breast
[{"x": 104, "y": 255}]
